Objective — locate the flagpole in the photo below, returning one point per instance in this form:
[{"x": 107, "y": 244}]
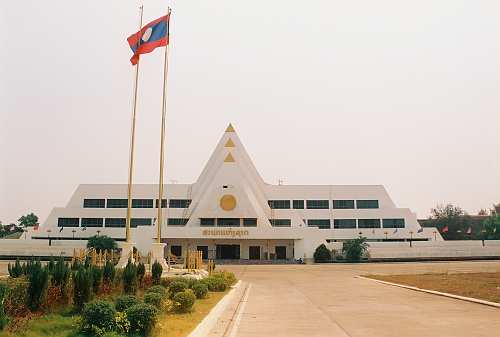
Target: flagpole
[
  {"x": 132, "y": 142},
  {"x": 162, "y": 134}
]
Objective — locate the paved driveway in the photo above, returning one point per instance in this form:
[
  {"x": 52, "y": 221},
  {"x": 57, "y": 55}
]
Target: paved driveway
[{"x": 328, "y": 300}]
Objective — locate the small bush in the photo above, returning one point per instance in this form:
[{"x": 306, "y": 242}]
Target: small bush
[
  {"x": 167, "y": 281},
  {"x": 176, "y": 287},
  {"x": 124, "y": 302},
  {"x": 355, "y": 249},
  {"x": 155, "y": 299},
  {"x": 130, "y": 278},
  {"x": 322, "y": 254},
  {"x": 3, "y": 316},
  {"x": 215, "y": 283},
  {"x": 142, "y": 318},
  {"x": 184, "y": 301},
  {"x": 82, "y": 286},
  {"x": 15, "y": 270},
  {"x": 156, "y": 271},
  {"x": 122, "y": 325},
  {"x": 100, "y": 314},
  {"x": 16, "y": 299},
  {"x": 158, "y": 289},
  {"x": 37, "y": 290},
  {"x": 200, "y": 290},
  {"x": 228, "y": 277}
]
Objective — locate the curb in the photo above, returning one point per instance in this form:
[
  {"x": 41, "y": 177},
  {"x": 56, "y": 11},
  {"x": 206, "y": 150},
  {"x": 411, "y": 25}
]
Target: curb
[
  {"x": 434, "y": 292},
  {"x": 207, "y": 324}
]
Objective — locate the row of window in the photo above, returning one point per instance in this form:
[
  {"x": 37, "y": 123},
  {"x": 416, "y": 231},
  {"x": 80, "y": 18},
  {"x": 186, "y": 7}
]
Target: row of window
[
  {"x": 344, "y": 223},
  {"x": 136, "y": 203},
  {"x": 228, "y": 222},
  {"x": 323, "y": 204},
  {"x": 99, "y": 222}
]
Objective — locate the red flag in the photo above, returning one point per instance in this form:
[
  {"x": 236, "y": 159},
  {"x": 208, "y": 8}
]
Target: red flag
[
  {"x": 445, "y": 229},
  {"x": 154, "y": 34},
  {"x": 35, "y": 227}
]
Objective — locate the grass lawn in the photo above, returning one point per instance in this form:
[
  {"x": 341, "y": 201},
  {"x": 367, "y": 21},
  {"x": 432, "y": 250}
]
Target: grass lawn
[
  {"x": 53, "y": 325},
  {"x": 484, "y": 286},
  {"x": 180, "y": 325}
]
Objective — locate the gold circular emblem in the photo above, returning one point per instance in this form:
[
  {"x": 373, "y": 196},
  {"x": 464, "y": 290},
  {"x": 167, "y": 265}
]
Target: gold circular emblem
[{"x": 227, "y": 202}]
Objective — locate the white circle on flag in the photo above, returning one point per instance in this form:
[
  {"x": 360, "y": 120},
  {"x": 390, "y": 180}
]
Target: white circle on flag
[{"x": 147, "y": 34}]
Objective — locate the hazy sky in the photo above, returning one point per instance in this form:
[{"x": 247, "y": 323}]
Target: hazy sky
[{"x": 393, "y": 92}]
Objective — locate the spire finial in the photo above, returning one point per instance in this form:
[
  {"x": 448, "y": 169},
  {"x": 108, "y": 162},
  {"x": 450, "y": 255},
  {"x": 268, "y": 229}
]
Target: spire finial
[{"x": 230, "y": 128}]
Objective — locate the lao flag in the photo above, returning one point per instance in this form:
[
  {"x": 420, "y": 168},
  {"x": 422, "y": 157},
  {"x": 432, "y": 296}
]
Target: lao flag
[
  {"x": 151, "y": 36},
  {"x": 445, "y": 229}
]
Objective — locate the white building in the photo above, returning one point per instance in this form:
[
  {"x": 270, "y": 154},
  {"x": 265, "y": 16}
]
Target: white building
[{"x": 231, "y": 213}]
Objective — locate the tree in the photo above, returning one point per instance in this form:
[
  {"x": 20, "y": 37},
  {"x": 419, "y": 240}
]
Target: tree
[
  {"x": 482, "y": 211},
  {"x": 452, "y": 217},
  {"x": 28, "y": 220},
  {"x": 101, "y": 242},
  {"x": 492, "y": 227},
  {"x": 355, "y": 249},
  {"x": 322, "y": 254}
]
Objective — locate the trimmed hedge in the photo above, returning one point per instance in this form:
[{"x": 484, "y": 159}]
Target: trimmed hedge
[
  {"x": 158, "y": 289},
  {"x": 155, "y": 299},
  {"x": 184, "y": 301},
  {"x": 98, "y": 314},
  {"x": 176, "y": 287},
  {"x": 124, "y": 302},
  {"x": 200, "y": 290},
  {"x": 142, "y": 318}
]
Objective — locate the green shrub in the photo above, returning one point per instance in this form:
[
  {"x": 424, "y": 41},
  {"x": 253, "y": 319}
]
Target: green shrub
[
  {"x": 355, "y": 249},
  {"x": 156, "y": 271},
  {"x": 130, "y": 278},
  {"x": 200, "y": 290},
  {"x": 109, "y": 272},
  {"x": 60, "y": 273},
  {"x": 15, "y": 270},
  {"x": 142, "y": 318},
  {"x": 3, "y": 316},
  {"x": 184, "y": 300},
  {"x": 15, "y": 302},
  {"x": 122, "y": 325},
  {"x": 155, "y": 299},
  {"x": 215, "y": 283},
  {"x": 82, "y": 286},
  {"x": 124, "y": 302},
  {"x": 97, "y": 275},
  {"x": 228, "y": 277},
  {"x": 101, "y": 242},
  {"x": 176, "y": 287},
  {"x": 158, "y": 289},
  {"x": 39, "y": 282},
  {"x": 322, "y": 254},
  {"x": 98, "y": 314},
  {"x": 141, "y": 271},
  {"x": 167, "y": 281}
]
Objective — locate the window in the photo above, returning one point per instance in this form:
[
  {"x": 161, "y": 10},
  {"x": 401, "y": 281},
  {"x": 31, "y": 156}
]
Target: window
[
  {"x": 393, "y": 223},
  {"x": 228, "y": 222},
  {"x": 279, "y": 204},
  {"x": 344, "y": 223},
  {"x": 209, "y": 222},
  {"x": 164, "y": 203},
  {"x": 250, "y": 222},
  {"x": 280, "y": 222},
  {"x": 68, "y": 222},
  {"x": 298, "y": 204},
  {"x": 115, "y": 222},
  {"x": 177, "y": 221},
  {"x": 92, "y": 222},
  {"x": 176, "y": 250},
  {"x": 117, "y": 203},
  {"x": 134, "y": 222},
  {"x": 94, "y": 203},
  {"x": 366, "y": 203},
  {"x": 368, "y": 223},
  {"x": 320, "y": 223},
  {"x": 179, "y": 203},
  {"x": 343, "y": 204},
  {"x": 142, "y": 203},
  {"x": 317, "y": 204}
]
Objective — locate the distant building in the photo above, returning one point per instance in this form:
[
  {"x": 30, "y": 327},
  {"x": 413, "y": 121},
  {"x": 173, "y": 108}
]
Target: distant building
[{"x": 231, "y": 213}]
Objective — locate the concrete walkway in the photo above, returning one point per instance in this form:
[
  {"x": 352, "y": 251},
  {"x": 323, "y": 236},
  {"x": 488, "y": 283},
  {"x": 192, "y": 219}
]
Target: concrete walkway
[{"x": 328, "y": 300}]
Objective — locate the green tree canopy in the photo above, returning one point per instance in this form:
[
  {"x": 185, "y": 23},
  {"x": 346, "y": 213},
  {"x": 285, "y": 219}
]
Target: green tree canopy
[
  {"x": 492, "y": 227},
  {"x": 101, "y": 242},
  {"x": 453, "y": 217},
  {"x": 28, "y": 220},
  {"x": 355, "y": 249}
]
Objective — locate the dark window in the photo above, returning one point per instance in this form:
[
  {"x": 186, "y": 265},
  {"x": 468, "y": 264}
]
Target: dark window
[
  {"x": 68, "y": 222},
  {"x": 366, "y": 203},
  {"x": 177, "y": 221},
  {"x": 250, "y": 222},
  {"x": 117, "y": 203},
  {"x": 298, "y": 204},
  {"x": 280, "y": 222},
  {"x": 176, "y": 250},
  {"x": 142, "y": 203},
  {"x": 179, "y": 203},
  {"x": 228, "y": 222},
  {"x": 320, "y": 223},
  {"x": 368, "y": 223},
  {"x": 92, "y": 222},
  {"x": 317, "y": 204},
  {"x": 393, "y": 223},
  {"x": 94, "y": 203},
  {"x": 279, "y": 204},
  {"x": 134, "y": 222},
  {"x": 344, "y": 223},
  {"x": 115, "y": 222},
  {"x": 209, "y": 222},
  {"x": 164, "y": 203},
  {"x": 343, "y": 204}
]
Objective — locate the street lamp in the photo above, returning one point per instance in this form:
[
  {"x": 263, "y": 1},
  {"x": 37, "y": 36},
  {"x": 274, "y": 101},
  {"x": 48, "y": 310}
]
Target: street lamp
[
  {"x": 73, "y": 231},
  {"x": 48, "y": 233},
  {"x": 385, "y": 235},
  {"x": 98, "y": 231},
  {"x": 435, "y": 238},
  {"x": 360, "y": 234},
  {"x": 411, "y": 238},
  {"x": 484, "y": 235}
]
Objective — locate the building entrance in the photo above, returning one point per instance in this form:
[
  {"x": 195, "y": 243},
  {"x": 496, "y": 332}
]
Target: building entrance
[
  {"x": 204, "y": 251},
  {"x": 254, "y": 252},
  {"x": 280, "y": 252},
  {"x": 228, "y": 252}
]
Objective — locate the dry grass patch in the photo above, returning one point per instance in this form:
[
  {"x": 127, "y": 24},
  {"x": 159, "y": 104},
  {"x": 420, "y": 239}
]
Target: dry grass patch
[
  {"x": 484, "y": 286},
  {"x": 180, "y": 325}
]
